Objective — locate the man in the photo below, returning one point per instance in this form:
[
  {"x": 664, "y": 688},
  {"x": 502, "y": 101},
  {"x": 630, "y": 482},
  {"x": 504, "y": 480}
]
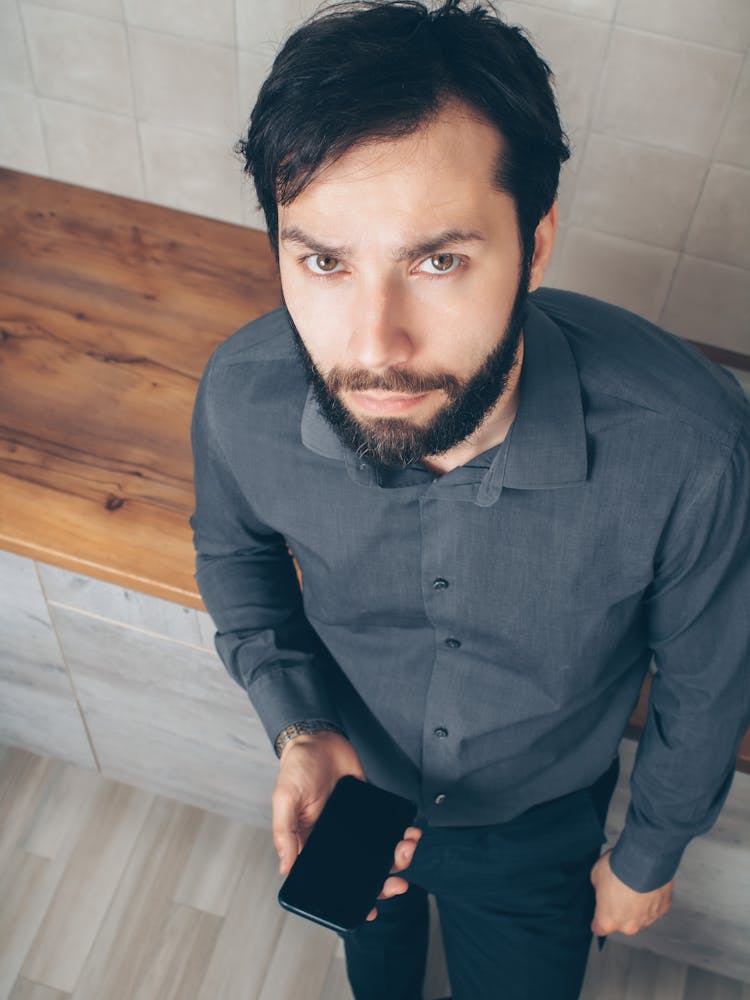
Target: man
[{"x": 502, "y": 507}]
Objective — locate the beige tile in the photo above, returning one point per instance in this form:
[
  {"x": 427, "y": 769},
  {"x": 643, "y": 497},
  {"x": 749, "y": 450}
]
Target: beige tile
[
  {"x": 640, "y": 192},
  {"x": 603, "y": 9},
  {"x": 300, "y": 961},
  {"x": 710, "y": 302},
  {"x": 92, "y": 148},
  {"x": 25, "y": 990},
  {"x": 78, "y": 58},
  {"x": 116, "y": 816},
  {"x": 181, "y": 956},
  {"x": 633, "y": 275},
  {"x": 26, "y": 885},
  {"x": 30, "y": 653},
  {"x": 212, "y": 22},
  {"x": 721, "y": 226},
  {"x": 734, "y": 143},
  {"x": 607, "y": 972},
  {"x": 21, "y": 139},
  {"x": 184, "y": 84},
  {"x": 574, "y": 48},
  {"x": 157, "y": 666},
  {"x": 654, "y": 976},
  {"x": 725, "y": 23},
  {"x": 702, "y": 985},
  {"x": 151, "y": 614},
  {"x": 191, "y": 172},
  {"x": 98, "y": 8},
  {"x": 24, "y": 783},
  {"x": 666, "y": 92},
  {"x": 67, "y": 796},
  {"x": 251, "y": 927},
  {"x": 209, "y": 879},
  {"x": 15, "y": 73},
  {"x": 265, "y": 24},
  {"x": 44, "y": 722},
  {"x": 336, "y": 986},
  {"x": 132, "y": 932}
]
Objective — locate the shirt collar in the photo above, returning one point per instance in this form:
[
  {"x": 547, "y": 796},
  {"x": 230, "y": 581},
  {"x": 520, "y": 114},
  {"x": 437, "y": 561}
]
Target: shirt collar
[{"x": 546, "y": 445}]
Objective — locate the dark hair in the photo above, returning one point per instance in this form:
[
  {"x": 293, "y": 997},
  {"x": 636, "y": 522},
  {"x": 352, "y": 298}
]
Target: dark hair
[{"x": 381, "y": 69}]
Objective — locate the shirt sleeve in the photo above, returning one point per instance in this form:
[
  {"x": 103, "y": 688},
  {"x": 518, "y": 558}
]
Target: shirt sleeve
[
  {"x": 247, "y": 580},
  {"x": 699, "y": 626}
]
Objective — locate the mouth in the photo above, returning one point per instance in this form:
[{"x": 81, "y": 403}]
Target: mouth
[{"x": 379, "y": 403}]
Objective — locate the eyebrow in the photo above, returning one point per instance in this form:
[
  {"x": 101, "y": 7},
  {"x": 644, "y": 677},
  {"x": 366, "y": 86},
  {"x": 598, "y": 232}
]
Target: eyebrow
[{"x": 430, "y": 245}]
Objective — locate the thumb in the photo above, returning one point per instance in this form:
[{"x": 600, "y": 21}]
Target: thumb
[{"x": 285, "y": 830}]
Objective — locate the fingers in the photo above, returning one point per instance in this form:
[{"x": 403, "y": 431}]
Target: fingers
[
  {"x": 393, "y": 887},
  {"x": 402, "y": 856}
]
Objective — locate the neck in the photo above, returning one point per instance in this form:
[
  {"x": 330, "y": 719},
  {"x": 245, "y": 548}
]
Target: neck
[{"x": 492, "y": 431}]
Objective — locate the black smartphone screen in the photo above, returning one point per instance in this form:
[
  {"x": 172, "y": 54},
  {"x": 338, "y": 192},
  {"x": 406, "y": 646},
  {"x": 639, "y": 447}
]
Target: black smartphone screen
[{"x": 348, "y": 854}]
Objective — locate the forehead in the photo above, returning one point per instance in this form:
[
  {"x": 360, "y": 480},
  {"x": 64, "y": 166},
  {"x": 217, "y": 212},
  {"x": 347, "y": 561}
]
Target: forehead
[{"x": 447, "y": 165}]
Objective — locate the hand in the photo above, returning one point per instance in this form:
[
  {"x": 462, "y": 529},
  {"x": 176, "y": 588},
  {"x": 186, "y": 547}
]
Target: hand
[
  {"x": 620, "y": 908},
  {"x": 309, "y": 768},
  {"x": 401, "y": 859}
]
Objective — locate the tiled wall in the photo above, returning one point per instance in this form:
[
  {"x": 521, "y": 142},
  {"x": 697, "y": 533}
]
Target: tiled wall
[
  {"x": 146, "y": 98},
  {"x": 130, "y": 685}
]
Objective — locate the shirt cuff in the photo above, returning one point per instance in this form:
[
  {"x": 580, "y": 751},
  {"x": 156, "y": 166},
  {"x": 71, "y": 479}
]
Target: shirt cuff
[{"x": 639, "y": 868}]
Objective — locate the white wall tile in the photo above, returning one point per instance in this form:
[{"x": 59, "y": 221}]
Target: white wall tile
[
  {"x": 670, "y": 93},
  {"x": 77, "y": 58},
  {"x": 21, "y": 140},
  {"x": 603, "y": 9},
  {"x": 265, "y": 24},
  {"x": 710, "y": 302},
  {"x": 628, "y": 274},
  {"x": 192, "y": 172},
  {"x": 184, "y": 84},
  {"x": 640, "y": 192},
  {"x": 141, "y": 611},
  {"x": 713, "y": 22},
  {"x": 574, "y": 48},
  {"x": 253, "y": 68},
  {"x": 15, "y": 73},
  {"x": 97, "y": 8},
  {"x": 208, "y": 22},
  {"x": 734, "y": 143},
  {"x": 92, "y": 148},
  {"x": 721, "y": 226}
]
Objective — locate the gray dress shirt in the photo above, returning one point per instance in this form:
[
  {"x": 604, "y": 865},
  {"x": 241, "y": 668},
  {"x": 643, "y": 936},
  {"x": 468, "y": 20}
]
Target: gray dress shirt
[{"x": 482, "y": 636}]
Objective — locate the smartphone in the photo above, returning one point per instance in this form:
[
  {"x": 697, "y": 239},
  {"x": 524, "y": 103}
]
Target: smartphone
[{"x": 347, "y": 856}]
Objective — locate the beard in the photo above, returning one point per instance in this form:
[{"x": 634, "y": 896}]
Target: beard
[{"x": 399, "y": 441}]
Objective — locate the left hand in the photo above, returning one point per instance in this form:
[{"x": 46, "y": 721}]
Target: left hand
[{"x": 620, "y": 908}]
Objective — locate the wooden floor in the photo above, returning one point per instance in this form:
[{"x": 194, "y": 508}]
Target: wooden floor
[{"x": 108, "y": 892}]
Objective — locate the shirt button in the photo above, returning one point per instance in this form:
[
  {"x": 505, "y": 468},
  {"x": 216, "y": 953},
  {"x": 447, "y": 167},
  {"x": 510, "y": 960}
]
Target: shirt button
[
  {"x": 440, "y": 799},
  {"x": 452, "y": 643},
  {"x": 439, "y": 584},
  {"x": 441, "y": 732}
]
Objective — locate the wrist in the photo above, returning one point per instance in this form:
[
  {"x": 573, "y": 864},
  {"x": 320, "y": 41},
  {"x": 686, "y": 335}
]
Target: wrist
[{"x": 302, "y": 731}]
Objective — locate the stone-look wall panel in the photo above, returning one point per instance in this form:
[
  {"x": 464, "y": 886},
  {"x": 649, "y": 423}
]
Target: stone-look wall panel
[{"x": 38, "y": 709}]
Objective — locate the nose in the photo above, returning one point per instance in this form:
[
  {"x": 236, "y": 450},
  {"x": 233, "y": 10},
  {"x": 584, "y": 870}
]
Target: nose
[{"x": 380, "y": 336}]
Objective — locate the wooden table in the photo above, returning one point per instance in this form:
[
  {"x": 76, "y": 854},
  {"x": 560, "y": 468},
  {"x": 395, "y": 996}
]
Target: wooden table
[{"x": 110, "y": 309}]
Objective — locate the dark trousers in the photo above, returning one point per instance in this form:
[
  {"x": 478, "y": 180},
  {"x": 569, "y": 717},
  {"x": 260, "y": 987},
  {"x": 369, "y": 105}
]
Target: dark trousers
[{"x": 515, "y": 903}]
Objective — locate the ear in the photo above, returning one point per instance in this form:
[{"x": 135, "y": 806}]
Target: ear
[{"x": 544, "y": 240}]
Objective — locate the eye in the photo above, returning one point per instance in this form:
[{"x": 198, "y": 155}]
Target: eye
[
  {"x": 441, "y": 263},
  {"x": 323, "y": 263}
]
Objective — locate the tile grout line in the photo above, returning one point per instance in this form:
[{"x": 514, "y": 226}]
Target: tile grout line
[
  {"x": 710, "y": 161},
  {"x": 66, "y": 667},
  {"x": 35, "y": 90}
]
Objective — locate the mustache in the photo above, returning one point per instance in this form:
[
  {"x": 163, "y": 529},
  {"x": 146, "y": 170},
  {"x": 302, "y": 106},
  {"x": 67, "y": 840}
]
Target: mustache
[{"x": 392, "y": 380}]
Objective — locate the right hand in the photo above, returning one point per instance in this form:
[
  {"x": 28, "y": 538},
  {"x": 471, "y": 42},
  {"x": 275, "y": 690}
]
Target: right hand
[{"x": 309, "y": 768}]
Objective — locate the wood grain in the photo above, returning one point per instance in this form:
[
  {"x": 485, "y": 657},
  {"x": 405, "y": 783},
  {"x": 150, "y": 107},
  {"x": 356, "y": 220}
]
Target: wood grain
[{"x": 109, "y": 309}]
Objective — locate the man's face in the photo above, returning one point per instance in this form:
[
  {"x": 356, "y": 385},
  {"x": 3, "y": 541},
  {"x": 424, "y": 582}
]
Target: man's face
[{"x": 401, "y": 270}]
